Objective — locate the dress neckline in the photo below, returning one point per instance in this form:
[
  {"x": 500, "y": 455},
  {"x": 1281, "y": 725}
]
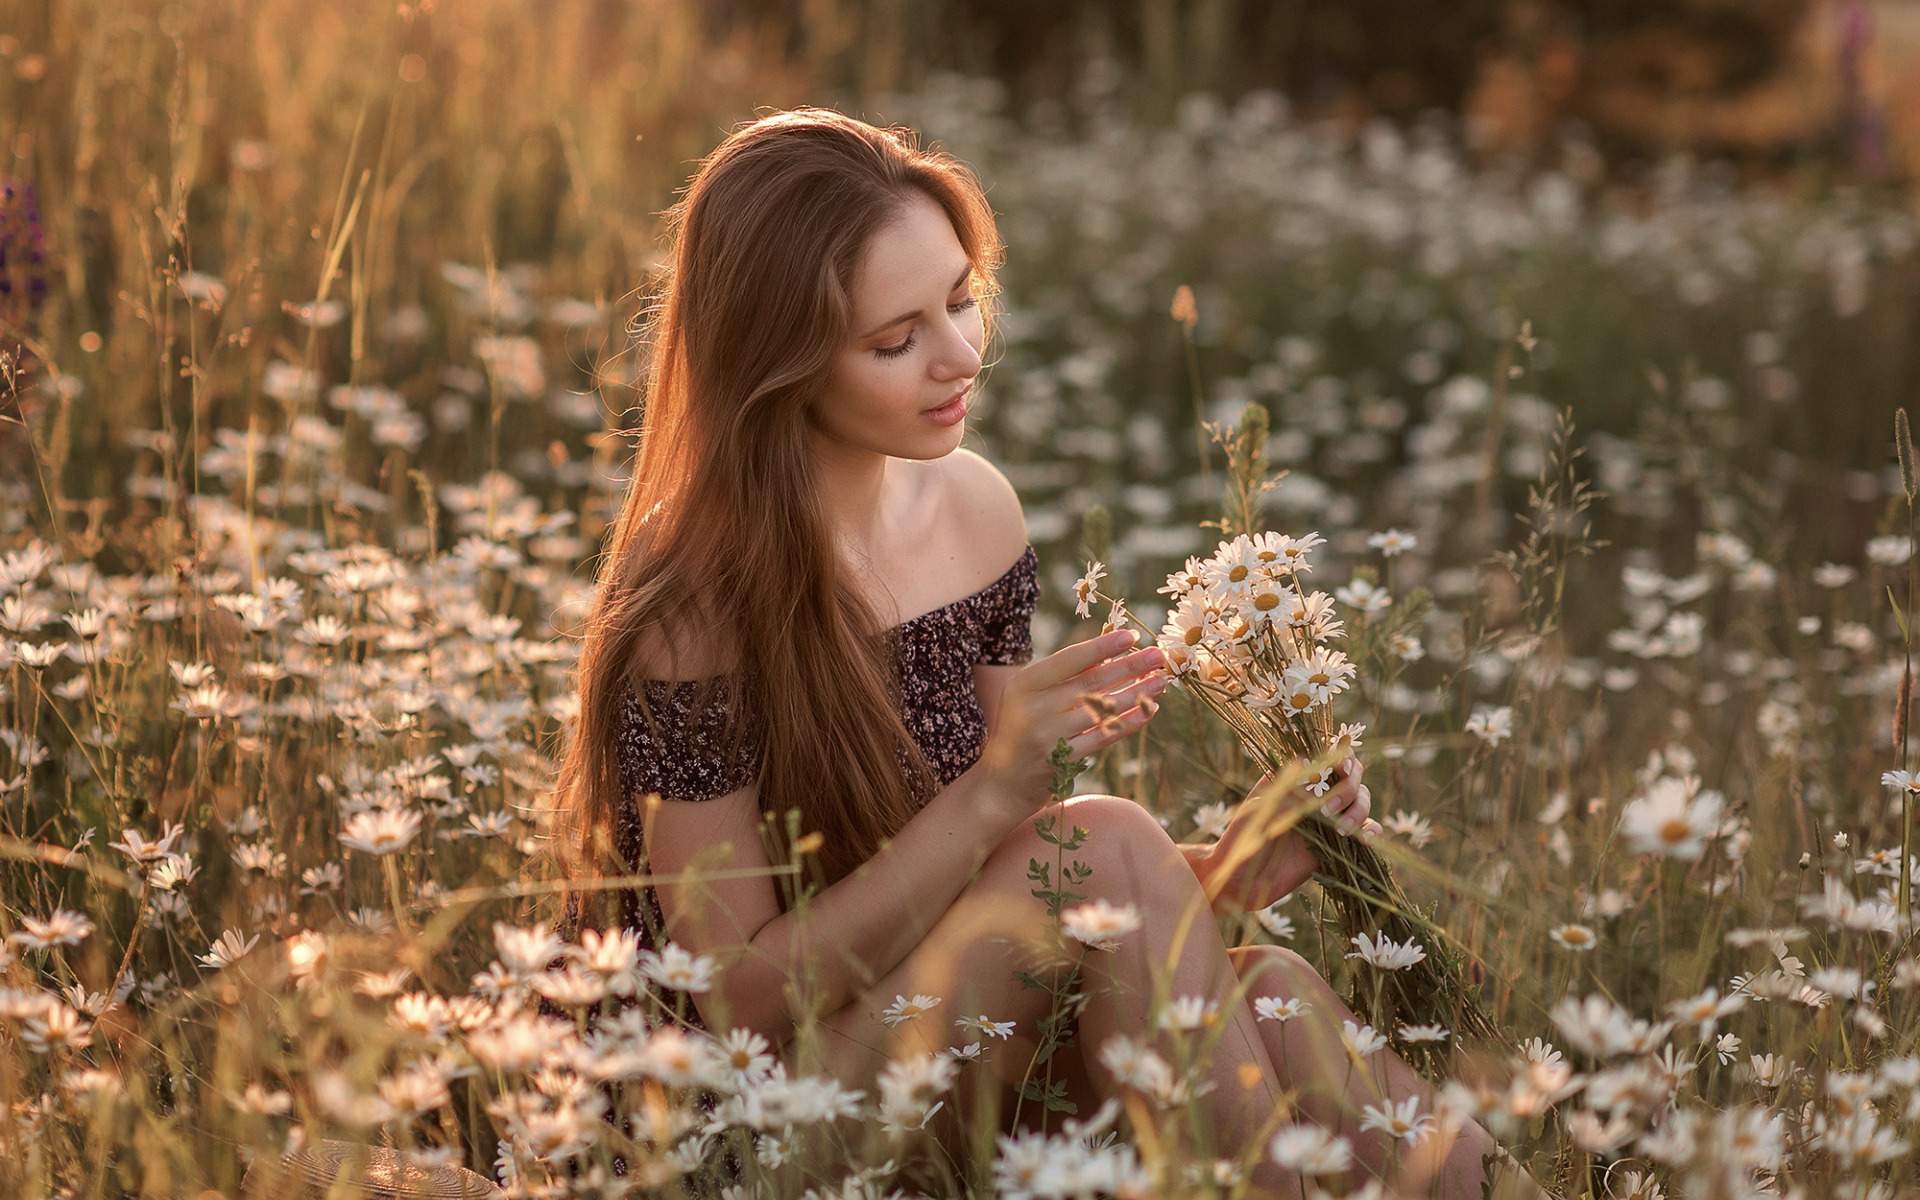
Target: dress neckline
[
  {"x": 1026, "y": 554},
  {"x": 953, "y": 604}
]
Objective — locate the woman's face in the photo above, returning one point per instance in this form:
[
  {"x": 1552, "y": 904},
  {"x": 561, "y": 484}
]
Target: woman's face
[{"x": 902, "y": 382}]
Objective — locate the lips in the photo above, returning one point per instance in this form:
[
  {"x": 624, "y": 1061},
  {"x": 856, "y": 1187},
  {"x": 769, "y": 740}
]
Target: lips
[{"x": 959, "y": 395}]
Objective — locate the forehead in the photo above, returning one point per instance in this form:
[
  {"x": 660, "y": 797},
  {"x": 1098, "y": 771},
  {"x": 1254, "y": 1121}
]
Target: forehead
[{"x": 916, "y": 252}]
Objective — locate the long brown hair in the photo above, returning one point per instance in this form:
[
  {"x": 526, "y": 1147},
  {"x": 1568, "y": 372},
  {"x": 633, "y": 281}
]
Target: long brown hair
[{"x": 722, "y": 535}]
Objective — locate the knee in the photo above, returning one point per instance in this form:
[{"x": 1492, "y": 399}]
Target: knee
[
  {"x": 1272, "y": 967},
  {"x": 1124, "y": 841},
  {"x": 1270, "y": 957}
]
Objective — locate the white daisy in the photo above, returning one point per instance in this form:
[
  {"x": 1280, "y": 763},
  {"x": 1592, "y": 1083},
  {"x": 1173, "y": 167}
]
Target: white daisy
[
  {"x": 1392, "y": 541},
  {"x": 1275, "y": 1008},
  {"x": 1404, "y": 1121},
  {"x": 1086, "y": 587},
  {"x": 678, "y": 969},
  {"x": 1574, "y": 936},
  {"x": 1672, "y": 818},
  {"x": 380, "y": 831},
  {"x": 1364, "y": 595},
  {"x": 985, "y": 1026},
  {"x": 1361, "y": 1038},
  {"x": 1385, "y": 953},
  {"x": 905, "y": 1008},
  {"x": 1311, "y": 1150},
  {"x": 229, "y": 949},
  {"x": 1100, "y": 925},
  {"x": 1232, "y": 569}
]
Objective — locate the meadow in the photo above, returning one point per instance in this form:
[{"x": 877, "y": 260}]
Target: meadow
[{"x": 317, "y": 401}]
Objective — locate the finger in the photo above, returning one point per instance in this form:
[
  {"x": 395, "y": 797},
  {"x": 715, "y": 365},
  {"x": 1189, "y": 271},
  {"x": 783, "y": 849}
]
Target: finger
[
  {"x": 1065, "y": 663},
  {"x": 1370, "y": 830},
  {"x": 1340, "y": 798},
  {"x": 1113, "y": 729},
  {"x": 1100, "y": 705},
  {"x": 1354, "y": 805},
  {"x": 1349, "y": 813},
  {"x": 1355, "y": 821},
  {"x": 1106, "y": 676}
]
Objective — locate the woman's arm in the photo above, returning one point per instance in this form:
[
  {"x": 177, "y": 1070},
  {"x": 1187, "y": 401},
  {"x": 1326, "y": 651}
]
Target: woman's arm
[
  {"x": 989, "y": 680},
  {"x": 775, "y": 965}
]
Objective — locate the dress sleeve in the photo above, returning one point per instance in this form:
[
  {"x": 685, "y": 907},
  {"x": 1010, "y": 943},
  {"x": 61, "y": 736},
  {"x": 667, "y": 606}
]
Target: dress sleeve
[
  {"x": 683, "y": 752},
  {"x": 1007, "y": 634}
]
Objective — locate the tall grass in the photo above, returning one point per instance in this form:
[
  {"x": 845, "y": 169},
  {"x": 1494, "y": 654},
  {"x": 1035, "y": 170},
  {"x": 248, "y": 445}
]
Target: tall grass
[{"x": 316, "y": 412}]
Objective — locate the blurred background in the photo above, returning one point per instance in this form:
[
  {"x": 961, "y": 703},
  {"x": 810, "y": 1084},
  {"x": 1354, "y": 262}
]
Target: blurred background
[{"x": 1773, "y": 84}]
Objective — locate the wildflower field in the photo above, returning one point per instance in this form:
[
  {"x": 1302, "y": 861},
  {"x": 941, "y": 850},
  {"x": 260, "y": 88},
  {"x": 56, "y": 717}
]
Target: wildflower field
[{"x": 316, "y": 382}]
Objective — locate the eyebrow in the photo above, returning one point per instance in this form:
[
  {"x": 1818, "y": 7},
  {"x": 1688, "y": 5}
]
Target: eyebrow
[{"x": 886, "y": 325}]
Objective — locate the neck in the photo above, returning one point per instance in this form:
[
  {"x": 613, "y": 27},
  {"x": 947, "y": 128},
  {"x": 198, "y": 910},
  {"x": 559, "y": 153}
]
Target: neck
[{"x": 853, "y": 487}]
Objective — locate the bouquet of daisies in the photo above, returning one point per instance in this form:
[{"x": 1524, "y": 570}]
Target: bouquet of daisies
[{"x": 1248, "y": 639}]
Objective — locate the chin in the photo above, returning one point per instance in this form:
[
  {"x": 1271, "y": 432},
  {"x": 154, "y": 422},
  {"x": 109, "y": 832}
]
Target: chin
[
  {"x": 949, "y": 440},
  {"x": 926, "y": 444},
  {"x": 927, "y": 451}
]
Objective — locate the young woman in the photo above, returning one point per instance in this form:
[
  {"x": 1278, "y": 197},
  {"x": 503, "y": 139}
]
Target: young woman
[{"x": 816, "y": 601}]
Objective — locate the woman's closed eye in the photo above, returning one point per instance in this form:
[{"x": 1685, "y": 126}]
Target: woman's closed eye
[{"x": 903, "y": 347}]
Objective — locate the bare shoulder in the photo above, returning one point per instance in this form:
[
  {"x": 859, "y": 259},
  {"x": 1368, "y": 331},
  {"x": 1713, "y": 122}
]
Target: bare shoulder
[{"x": 984, "y": 506}]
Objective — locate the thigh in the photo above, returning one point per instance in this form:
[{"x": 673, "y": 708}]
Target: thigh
[
  {"x": 1313, "y": 1056},
  {"x": 970, "y": 961},
  {"x": 973, "y": 956}
]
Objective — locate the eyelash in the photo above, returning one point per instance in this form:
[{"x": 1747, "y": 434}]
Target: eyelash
[{"x": 903, "y": 347}]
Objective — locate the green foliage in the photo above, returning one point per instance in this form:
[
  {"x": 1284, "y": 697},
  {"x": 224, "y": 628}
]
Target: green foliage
[{"x": 1054, "y": 883}]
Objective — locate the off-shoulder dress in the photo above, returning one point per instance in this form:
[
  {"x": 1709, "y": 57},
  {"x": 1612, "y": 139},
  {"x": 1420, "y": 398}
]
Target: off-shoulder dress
[{"x": 682, "y": 757}]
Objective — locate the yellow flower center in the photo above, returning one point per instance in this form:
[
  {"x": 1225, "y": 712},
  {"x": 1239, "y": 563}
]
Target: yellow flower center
[{"x": 1675, "y": 830}]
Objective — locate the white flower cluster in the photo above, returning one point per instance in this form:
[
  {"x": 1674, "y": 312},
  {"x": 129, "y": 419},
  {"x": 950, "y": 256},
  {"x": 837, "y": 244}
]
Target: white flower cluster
[{"x": 1243, "y": 625}]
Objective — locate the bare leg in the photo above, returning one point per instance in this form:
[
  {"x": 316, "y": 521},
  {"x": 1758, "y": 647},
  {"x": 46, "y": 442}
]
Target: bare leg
[
  {"x": 970, "y": 955},
  {"x": 1177, "y": 952},
  {"x": 1311, "y": 1057}
]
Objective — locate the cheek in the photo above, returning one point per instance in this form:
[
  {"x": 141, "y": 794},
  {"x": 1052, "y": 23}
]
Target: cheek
[
  {"x": 883, "y": 385},
  {"x": 866, "y": 390}
]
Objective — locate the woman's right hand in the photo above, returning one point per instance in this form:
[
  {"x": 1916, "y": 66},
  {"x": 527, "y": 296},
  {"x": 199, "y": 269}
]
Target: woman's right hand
[{"x": 1060, "y": 696}]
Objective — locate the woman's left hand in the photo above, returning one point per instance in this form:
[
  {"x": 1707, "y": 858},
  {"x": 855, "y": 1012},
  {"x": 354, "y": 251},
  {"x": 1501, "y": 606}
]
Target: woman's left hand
[{"x": 1245, "y": 870}]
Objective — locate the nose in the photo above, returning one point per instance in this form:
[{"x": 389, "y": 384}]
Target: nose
[{"x": 960, "y": 348}]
